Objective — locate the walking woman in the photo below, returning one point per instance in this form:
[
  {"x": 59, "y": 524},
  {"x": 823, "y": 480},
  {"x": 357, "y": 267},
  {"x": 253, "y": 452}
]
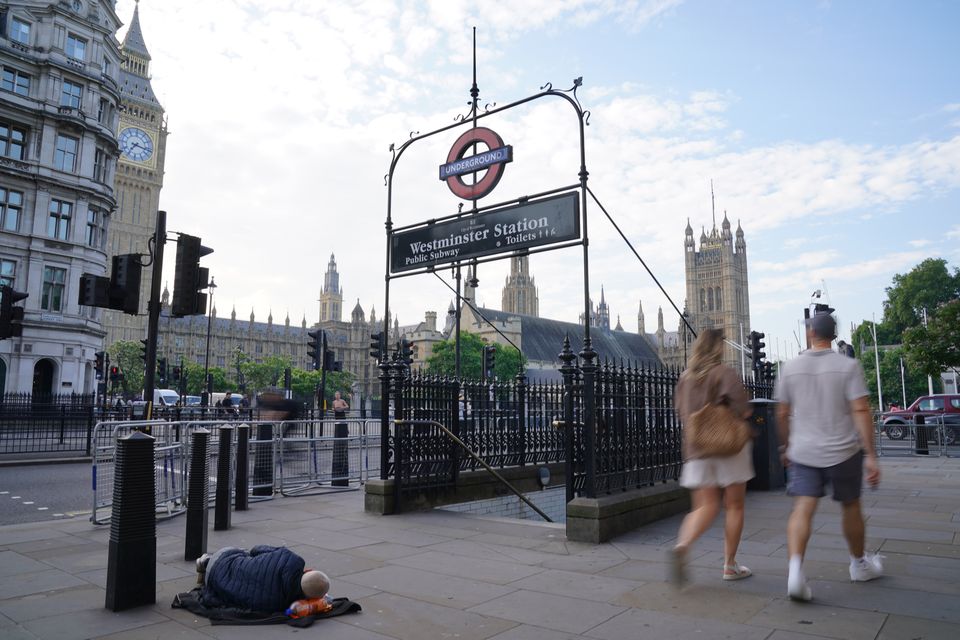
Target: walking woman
[{"x": 711, "y": 478}]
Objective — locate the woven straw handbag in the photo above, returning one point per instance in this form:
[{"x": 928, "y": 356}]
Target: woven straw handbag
[{"x": 715, "y": 430}]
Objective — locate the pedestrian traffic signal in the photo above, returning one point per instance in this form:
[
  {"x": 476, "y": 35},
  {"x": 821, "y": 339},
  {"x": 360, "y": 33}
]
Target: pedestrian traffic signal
[
  {"x": 406, "y": 352},
  {"x": 115, "y": 374},
  {"x": 143, "y": 349},
  {"x": 190, "y": 279},
  {"x": 756, "y": 348},
  {"x": 11, "y": 317},
  {"x": 99, "y": 360},
  {"x": 377, "y": 346},
  {"x": 315, "y": 348},
  {"x": 489, "y": 361}
]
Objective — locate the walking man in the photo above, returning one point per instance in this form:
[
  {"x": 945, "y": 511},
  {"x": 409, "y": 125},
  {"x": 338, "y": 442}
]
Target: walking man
[{"x": 826, "y": 437}]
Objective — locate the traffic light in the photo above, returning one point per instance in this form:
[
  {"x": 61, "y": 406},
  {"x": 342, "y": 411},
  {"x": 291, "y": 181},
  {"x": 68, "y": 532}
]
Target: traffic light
[
  {"x": 143, "y": 349},
  {"x": 125, "y": 283},
  {"x": 756, "y": 348},
  {"x": 406, "y": 352},
  {"x": 377, "y": 346},
  {"x": 489, "y": 360},
  {"x": 162, "y": 371},
  {"x": 99, "y": 360},
  {"x": 177, "y": 373},
  {"x": 11, "y": 317},
  {"x": 190, "y": 279},
  {"x": 115, "y": 374},
  {"x": 315, "y": 348},
  {"x": 328, "y": 359},
  {"x": 94, "y": 291},
  {"x": 768, "y": 371}
]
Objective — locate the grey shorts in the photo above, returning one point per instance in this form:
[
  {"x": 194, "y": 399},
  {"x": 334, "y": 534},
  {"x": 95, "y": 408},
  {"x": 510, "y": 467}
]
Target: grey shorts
[{"x": 846, "y": 479}]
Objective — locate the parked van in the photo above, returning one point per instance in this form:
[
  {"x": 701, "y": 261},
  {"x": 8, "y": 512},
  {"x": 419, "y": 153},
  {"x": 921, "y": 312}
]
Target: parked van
[{"x": 165, "y": 398}]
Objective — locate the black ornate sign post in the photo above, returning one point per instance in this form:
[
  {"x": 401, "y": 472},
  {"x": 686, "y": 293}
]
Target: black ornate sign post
[{"x": 530, "y": 224}]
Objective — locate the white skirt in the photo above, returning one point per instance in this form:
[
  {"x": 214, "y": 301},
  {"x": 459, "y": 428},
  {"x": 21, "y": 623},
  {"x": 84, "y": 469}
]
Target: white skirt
[{"x": 718, "y": 472}]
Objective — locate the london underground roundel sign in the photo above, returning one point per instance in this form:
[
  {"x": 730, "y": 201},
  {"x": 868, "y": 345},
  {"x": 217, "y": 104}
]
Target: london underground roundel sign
[{"x": 492, "y": 161}]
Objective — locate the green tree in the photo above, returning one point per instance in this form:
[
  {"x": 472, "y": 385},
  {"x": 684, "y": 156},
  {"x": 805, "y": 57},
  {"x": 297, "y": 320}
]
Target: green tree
[
  {"x": 926, "y": 286},
  {"x": 914, "y": 381},
  {"x": 442, "y": 361},
  {"x": 126, "y": 355},
  {"x": 935, "y": 347},
  {"x": 196, "y": 384},
  {"x": 269, "y": 373}
]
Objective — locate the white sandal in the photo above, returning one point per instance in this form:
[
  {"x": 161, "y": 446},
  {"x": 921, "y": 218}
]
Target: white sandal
[{"x": 736, "y": 572}]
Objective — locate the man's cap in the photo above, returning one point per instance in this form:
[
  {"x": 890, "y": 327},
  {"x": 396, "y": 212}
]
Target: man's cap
[{"x": 823, "y": 326}]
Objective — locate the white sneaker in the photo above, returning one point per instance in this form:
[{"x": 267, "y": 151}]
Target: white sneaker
[
  {"x": 869, "y": 567},
  {"x": 797, "y": 587}
]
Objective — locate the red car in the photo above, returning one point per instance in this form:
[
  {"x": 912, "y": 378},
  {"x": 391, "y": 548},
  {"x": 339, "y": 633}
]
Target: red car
[{"x": 945, "y": 406}]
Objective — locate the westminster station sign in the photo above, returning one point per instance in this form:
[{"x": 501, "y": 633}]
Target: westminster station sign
[{"x": 533, "y": 224}]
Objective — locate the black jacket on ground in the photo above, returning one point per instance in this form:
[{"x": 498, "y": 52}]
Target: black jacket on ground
[{"x": 265, "y": 579}]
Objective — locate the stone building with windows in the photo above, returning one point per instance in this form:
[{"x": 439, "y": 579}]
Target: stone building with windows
[
  {"x": 142, "y": 138},
  {"x": 59, "y": 110},
  {"x": 186, "y": 338}
]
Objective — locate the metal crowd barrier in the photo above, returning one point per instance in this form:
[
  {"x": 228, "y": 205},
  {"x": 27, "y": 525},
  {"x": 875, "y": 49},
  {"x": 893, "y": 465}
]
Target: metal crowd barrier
[
  {"x": 932, "y": 438},
  {"x": 170, "y": 465},
  {"x": 294, "y": 458},
  {"x": 322, "y": 456}
]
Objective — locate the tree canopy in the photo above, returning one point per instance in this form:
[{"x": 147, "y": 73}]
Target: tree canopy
[
  {"x": 926, "y": 350},
  {"x": 442, "y": 361},
  {"x": 925, "y": 287}
]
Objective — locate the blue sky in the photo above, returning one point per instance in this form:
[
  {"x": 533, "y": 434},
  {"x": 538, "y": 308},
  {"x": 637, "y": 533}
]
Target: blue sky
[{"x": 831, "y": 130}]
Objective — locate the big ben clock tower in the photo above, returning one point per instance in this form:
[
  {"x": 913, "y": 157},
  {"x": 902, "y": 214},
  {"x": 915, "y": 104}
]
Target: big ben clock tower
[{"x": 142, "y": 137}]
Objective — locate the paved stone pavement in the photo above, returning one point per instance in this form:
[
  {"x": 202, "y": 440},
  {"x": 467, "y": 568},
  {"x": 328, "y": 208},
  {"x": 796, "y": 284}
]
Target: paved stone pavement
[{"x": 442, "y": 575}]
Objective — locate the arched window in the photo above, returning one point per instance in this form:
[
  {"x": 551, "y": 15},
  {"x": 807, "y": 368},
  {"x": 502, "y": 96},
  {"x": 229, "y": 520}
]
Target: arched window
[
  {"x": 703, "y": 300},
  {"x": 719, "y": 300},
  {"x": 710, "y": 298}
]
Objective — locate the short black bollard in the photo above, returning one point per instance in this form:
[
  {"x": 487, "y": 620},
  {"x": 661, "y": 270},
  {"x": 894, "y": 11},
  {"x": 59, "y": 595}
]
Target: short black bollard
[
  {"x": 341, "y": 454},
  {"x": 198, "y": 492},
  {"x": 922, "y": 439},
  {"x": 221, "y": 509},
  {"x": 132, "y": 556},
  {"x": 263, "y": 461},
  {"x": 242, "y": 488}
]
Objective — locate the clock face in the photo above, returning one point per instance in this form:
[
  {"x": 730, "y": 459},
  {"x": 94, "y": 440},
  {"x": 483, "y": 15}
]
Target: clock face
[{"x": 135, "y": 144}]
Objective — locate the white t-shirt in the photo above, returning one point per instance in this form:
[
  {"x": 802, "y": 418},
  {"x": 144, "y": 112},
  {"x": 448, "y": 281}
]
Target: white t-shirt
[{"x": 819, "y": 387}]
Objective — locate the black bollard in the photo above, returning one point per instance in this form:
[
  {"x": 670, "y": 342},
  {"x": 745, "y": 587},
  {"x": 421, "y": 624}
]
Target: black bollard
[
  {"x": 241, "y": 491},
  {"x": 132, "y": 556},
  {"x": 341, "y": 459},
  {"x": 263, "y": 461},
  {"x": 198, "y": 491},
  {"x": 221, "y": 509},
  {"x": 922, "y": 437}
]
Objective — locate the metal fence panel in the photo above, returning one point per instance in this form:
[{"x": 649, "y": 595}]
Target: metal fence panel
[{"x": 314, "y": 459}]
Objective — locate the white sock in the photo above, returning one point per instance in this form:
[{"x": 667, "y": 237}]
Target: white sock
[
  {"x": 796, "y": 565},
  {"x": 855, "y": 559}
]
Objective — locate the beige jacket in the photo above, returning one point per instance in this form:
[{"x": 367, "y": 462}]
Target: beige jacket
[{"x": 691, "y": 396}]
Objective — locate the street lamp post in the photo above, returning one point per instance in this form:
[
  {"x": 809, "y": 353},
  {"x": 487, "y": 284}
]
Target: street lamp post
[{"x": 206, "y": 360}]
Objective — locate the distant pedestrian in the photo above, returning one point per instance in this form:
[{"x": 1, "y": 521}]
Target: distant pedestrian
[
  {"x": 340, "y": 406},
  {"x": 826, "y": 437},
  {"x": 704, "y": 382}
]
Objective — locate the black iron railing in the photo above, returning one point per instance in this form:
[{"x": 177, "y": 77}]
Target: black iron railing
[{"x": 636, "y": 436}]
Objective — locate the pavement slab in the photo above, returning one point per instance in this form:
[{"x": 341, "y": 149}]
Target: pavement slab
[
  {"x": 411, "y": 619},
  {"x": 449, "y": 591},
  {"x": 560, "y": 613},
  {"x": 820, "y": 619},
  {"x": 641, "y": 623}
]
